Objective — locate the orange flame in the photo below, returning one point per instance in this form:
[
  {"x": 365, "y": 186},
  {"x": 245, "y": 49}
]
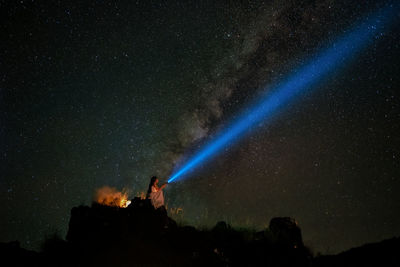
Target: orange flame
[{"x": 110, "y": 196}]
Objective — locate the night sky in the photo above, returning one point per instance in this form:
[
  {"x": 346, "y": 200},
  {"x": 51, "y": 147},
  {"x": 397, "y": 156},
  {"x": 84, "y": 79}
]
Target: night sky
[{"x": 110, "y": 93}]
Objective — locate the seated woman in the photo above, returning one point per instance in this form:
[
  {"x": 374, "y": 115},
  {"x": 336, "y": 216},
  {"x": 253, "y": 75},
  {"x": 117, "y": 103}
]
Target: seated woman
[{"x": 155, "y": 194}]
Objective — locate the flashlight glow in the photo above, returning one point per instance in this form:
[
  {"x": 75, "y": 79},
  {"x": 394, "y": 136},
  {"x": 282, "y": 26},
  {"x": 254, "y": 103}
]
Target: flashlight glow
[{"x": 305, "y": 77}]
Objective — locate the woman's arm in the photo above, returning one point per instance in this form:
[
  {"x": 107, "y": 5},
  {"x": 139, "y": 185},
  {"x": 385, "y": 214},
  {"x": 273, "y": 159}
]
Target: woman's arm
[{"x": 161, "y": 187}]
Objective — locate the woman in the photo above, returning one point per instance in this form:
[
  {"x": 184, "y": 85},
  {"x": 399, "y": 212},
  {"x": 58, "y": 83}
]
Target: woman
[{"x": 155, "y": 194}]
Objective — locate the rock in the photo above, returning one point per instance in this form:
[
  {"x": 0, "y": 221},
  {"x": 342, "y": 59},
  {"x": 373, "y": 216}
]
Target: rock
[{"x": 285, "y": 231}]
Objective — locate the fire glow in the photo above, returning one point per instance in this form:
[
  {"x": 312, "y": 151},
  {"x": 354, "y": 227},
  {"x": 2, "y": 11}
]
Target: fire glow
[
  {"x": 328, "y": 62},
  {"x": 110, "y": 196}
]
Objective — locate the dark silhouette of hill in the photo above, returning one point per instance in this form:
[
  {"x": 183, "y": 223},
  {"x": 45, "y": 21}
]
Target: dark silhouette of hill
[
  {"x": 142, "y": 236},
  {"x": 384, "y": 253}
]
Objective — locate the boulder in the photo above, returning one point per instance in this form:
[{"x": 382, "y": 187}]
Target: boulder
[{"x": 285, "y": 231}]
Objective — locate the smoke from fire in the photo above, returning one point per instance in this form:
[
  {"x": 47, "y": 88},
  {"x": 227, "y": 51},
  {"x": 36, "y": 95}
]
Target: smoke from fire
[{"x": 110, "y": 196}]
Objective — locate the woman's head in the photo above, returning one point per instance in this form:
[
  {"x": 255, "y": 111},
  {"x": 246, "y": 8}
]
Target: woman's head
[{"x": 153, "y": 181}]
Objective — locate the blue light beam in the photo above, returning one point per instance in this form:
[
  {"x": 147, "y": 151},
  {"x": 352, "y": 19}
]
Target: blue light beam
[{"x": 305, "y": 77}]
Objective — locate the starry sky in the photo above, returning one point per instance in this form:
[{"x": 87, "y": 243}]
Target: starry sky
[{"x": 110, "y": 93}]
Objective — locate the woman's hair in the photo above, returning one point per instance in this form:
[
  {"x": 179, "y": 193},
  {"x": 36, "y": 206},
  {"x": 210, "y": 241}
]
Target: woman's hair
[{"x": 152, "y": 181}]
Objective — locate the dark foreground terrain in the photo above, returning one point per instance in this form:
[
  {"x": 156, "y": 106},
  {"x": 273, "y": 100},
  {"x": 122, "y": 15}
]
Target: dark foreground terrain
[{"x": 141, "y": 236}]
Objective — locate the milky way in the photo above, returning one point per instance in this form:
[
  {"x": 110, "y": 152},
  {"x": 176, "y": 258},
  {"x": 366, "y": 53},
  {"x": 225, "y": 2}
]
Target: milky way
[
  {"x": 110, "y": 93},
  {"x": 305, "y": 77}
]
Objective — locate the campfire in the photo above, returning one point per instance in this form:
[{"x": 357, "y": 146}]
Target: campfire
[{"x": 110, "y": 196}]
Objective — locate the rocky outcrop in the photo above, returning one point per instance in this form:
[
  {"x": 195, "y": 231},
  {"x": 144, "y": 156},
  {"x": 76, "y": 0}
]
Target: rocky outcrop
[
  {"x": 285, "y": 231},
  {"x": 143, "y": 235}
]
